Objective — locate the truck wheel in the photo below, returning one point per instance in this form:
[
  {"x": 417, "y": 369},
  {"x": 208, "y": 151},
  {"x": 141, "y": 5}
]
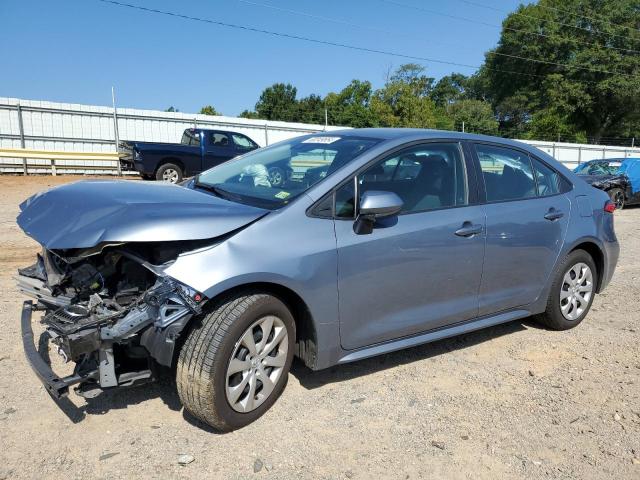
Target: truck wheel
[
  {"x": 235, "y": 362},
  {"x": 572, "y": 292},
  {"x": 617, "y": 196},
  {"x": 169, "y": 172},
  {"x": 277, "y": 177}
]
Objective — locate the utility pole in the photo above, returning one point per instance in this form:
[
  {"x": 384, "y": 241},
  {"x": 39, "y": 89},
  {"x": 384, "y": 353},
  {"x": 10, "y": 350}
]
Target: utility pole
[
  {"x": 326, "y": 119},
  {"x": 115, "y": 128},
  {"x": 462, "y": 127}
]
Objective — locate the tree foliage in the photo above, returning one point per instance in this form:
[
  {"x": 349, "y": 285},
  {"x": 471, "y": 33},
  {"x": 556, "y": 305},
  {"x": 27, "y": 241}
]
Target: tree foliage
[
  {"x": 581, "y": 80},
  {"x": 209, "y": 110},
  {"x": 587, "y": 78}
]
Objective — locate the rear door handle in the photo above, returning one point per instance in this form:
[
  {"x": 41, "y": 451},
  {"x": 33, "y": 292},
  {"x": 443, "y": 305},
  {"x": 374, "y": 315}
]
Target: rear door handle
[
  {"x": 469, "y": 229},
  {"x": 553, "y": 214}
]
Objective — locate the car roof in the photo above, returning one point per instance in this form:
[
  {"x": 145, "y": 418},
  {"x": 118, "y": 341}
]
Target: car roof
[{"x": 413, "y": 133}]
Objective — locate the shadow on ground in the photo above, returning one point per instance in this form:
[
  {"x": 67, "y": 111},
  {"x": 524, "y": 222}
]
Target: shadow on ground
[
  {"x": 165, "y": 387},
  {"x": 340, "y": 373}
]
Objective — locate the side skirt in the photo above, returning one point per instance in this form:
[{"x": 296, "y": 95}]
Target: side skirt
[{"x": 434, "y": 335}]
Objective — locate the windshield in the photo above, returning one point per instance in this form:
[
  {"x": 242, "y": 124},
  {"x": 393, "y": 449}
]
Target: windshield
[
  {"x": 598, "y": 168},
  {"x": 273, "y": 176}
]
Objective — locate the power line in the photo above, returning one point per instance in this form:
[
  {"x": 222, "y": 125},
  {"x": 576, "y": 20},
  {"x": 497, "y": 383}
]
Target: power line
[
  {"x": 501, "y": 54},
  {"x": 525, "y": 15},
  {"x": 337, "y": 44},
  {"x": 493, "y": 25}
]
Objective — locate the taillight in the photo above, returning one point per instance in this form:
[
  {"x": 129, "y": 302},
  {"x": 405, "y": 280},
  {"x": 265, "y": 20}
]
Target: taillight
[{"x": 609, "y": 207}]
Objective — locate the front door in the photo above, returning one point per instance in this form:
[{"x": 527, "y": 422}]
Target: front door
[
  {"x": 420, "y": 270},
  {"x": 218, "y": 148},
  {"x": 527, "y": 218}
]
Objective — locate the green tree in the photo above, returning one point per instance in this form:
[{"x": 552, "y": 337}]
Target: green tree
[
  {"x": 171, "y": 109},
  {"x": 310, "y": 110},
  {"x": 477, "y": 116},
  {"x": 404, "y": 101},
  {"x": 278, "y": 102},
  {"x": 209, "y": 110},
  {"x": 351, "y": 106},
  {"x": 449, "y": 89},
  {"x": 589, "y": 51},
  {"x": 249, "y": 114}
]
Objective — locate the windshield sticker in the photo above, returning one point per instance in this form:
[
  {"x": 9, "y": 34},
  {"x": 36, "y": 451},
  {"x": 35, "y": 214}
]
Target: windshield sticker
[
  {"x": 323, "y": 140},
  {"x": 282, "y": 195}
]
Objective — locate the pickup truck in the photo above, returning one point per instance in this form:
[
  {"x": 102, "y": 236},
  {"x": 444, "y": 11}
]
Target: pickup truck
[{"x": 199, "y": 150}]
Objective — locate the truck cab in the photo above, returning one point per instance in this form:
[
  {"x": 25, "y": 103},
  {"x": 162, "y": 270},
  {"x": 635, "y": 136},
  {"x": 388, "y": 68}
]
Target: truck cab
[{"x": 199, "y": 149}]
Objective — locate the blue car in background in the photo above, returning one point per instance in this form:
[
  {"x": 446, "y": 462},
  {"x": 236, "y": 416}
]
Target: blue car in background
[
  {"x": 383, "y": 239},
  {"x": 619, "y": 177}
]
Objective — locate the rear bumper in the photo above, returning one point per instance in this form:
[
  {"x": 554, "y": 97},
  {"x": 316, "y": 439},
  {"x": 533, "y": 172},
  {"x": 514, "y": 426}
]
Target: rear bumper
[{"x": 56, "y": 386}]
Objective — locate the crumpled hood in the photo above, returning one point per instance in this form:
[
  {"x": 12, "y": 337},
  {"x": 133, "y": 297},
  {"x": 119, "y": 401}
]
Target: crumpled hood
[{"x": 87, "y": 213}]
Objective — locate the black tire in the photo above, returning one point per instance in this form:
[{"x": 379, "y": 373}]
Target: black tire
[
  {"x": 617, "y": 196},
  {"x": 165, "y": 169},
  {"x": 552, "y": 317},
  {"x": 204, "y": 358}
]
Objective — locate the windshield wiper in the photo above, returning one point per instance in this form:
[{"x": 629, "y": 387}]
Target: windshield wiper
[{"x": 217, "y": 191}]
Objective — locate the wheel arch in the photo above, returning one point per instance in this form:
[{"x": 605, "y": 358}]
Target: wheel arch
[
  {"x": 597, "y": 254},
  {"x": 306, "y": 335}
]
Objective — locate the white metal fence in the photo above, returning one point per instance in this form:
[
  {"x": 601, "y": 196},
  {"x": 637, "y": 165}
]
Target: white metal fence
[{"x": 65, "y": 127}]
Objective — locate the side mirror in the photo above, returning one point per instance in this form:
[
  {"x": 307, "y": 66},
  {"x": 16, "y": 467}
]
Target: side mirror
[{"x": 375, "y": 205}]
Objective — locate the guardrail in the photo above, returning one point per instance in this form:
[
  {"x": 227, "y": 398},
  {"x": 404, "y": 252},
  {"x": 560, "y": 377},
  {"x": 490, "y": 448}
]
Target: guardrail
[{"x": 72, "y": 160}]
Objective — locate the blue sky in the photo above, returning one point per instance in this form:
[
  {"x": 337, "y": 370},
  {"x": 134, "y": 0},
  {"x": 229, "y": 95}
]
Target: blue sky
[{"x": 75, "y": 50}]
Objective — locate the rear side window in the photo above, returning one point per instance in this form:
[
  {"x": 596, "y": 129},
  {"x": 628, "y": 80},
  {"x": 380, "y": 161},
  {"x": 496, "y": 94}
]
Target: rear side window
[
  {"x": 190, "y": 137},
  {"x": 507, "y": 173},
  {"x": 548, "y": 181}
]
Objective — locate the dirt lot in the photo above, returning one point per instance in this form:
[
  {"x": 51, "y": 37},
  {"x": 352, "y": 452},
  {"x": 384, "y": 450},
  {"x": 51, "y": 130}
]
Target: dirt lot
[{"x": 514, "y": 401}]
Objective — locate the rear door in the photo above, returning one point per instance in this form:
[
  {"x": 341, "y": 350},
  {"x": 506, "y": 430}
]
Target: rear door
[
  {"x": 218, "y": 148},
  {"x": 527, "y": 219},
  {"x": 421, "y": 269}
]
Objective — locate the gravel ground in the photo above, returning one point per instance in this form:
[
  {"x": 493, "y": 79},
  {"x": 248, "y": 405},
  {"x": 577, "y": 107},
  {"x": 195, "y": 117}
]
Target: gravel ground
[{"x": 514, "y": 401}]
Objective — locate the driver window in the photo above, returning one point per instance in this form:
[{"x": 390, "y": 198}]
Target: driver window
[
  {"x": 218, "y": 139},
  {"x": 427, "y": 177}
]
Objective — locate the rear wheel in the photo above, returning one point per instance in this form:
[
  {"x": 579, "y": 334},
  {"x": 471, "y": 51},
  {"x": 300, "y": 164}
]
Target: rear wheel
[
  {"x": 169, "y": 172},
  {"x": 234, "y": 364},
  {"x": 572, "y": 292},
  {"x": 617, "y": 196}
]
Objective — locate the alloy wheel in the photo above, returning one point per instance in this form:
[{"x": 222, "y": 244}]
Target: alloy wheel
[
  {"x": 576, "y": 291},
  {"x": 256, "y": 364},
  {"x": 170, "y": 175}
]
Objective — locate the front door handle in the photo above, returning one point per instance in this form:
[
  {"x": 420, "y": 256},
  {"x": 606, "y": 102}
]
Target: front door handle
[
  {"x": 553, "y": 214},
  {"x": 469, "y": 229}
]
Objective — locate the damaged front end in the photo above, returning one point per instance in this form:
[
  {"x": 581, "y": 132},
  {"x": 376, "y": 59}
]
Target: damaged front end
[{"x": 110, "y": 309}]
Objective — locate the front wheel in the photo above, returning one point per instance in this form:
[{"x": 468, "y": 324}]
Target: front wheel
[
  {"x": 617, "y": 196},
  {"x": 235, "y": 362},
  {"x": 572, "y": 292}
]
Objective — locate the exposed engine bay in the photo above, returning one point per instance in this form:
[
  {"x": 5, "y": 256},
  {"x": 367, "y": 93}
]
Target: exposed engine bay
[{"x": 111, "y": 310}]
